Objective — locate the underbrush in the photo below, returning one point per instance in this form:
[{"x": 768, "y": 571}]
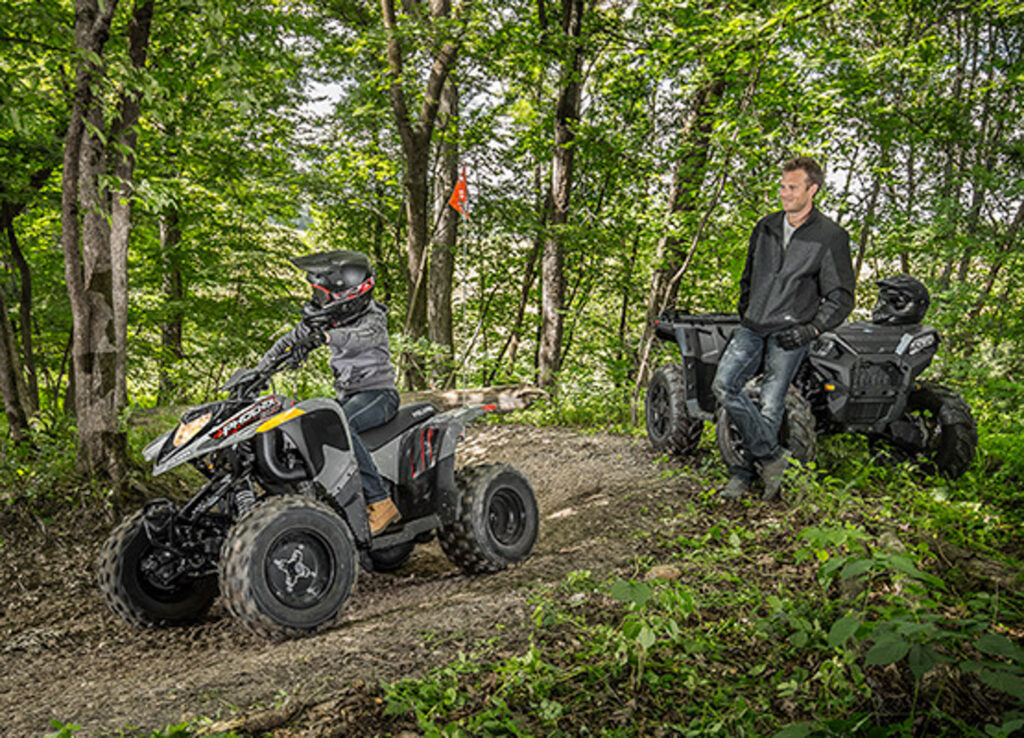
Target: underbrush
[{"x": 832, "y": 620}]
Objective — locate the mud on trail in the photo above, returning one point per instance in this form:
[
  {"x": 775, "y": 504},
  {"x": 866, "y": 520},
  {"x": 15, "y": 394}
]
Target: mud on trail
[{"x": 64, "y": 656}]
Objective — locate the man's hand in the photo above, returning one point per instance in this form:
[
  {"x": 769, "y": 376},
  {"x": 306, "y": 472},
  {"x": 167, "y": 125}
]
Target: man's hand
[{"x": 797, "y": 336}]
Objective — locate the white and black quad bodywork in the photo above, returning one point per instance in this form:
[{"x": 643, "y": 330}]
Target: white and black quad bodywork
[
  {"x": 859, "y": 378},
  {"x": 280, "y": 526}
]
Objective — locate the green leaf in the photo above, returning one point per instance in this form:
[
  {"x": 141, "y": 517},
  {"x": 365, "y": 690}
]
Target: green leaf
[
  {"x": 842, "y": 629},
  {"x": 796, "y": 730},
  {"x": 1004, "y": 681},
  {"x": 635, "y": 592},
  {"x": 887, "y": 650},
  {"x": 905, "y": 565},
  {"x": 921, "y": 660},
  {"x": 998, "y": 645},
  {"x": 646, "y": 638},
  {"x": 798, "y": 638},
  {"x": 856, "y": 568}
]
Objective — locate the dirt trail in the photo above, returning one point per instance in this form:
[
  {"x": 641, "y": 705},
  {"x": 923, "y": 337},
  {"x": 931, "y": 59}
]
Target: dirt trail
[{"x": 64, "y": 656}]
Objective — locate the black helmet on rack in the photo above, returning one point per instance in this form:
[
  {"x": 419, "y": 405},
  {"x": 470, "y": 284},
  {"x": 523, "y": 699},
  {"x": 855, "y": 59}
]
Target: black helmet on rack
[
  {"x": 902, "y": 300},
  {"x": 342, "y": 284}
]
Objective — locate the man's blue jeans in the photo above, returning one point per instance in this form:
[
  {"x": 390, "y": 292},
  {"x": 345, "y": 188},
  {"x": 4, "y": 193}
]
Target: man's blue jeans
[
  {"x": 366, "y": 410},
  {"x": 759, "y": 428}
]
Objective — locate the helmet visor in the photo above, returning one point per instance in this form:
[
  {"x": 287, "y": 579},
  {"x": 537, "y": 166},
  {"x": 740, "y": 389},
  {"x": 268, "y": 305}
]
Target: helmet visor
[{"x": 322, "y": 297}]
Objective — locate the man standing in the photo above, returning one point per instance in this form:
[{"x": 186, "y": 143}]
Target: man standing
[{"x": 798, "y": 281}]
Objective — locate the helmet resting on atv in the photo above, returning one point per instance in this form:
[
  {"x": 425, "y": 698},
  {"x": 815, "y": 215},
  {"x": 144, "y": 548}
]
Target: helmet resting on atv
[
  {"x": 342, "y": 284},
  {"x": 902, "y": 300}
]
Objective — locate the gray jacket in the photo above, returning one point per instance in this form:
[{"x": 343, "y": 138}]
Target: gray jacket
[
  {"x": 360, "y": 353},
  {"x": 810, "y": 281}
]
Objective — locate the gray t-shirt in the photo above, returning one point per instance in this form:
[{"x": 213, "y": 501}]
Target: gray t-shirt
[{"x": 787, "y": 231}]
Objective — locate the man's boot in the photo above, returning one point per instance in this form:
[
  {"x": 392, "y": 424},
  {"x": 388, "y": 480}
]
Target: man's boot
[
  {"x": 772, "y": 474},
  {"x": 382, "y": 514},
  {"x": 734, "y": 489}
]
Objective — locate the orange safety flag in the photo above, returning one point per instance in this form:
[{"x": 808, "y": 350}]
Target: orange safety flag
[{"x": 460, "y": 196}]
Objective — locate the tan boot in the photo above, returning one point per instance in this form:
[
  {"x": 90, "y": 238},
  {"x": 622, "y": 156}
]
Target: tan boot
[{"x": 382, "y": 514}]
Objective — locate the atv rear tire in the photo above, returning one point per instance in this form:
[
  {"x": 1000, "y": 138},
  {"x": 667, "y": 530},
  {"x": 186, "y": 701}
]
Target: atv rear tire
[
  {"x": 288, "y": 567},
  {"x": 137, "y": 598},
  {"x": 797, "y": 434},
  {"x": 950, "y": 428},
  {"x": 497, "y": 519},
  {"x": 669, "y": 426}
]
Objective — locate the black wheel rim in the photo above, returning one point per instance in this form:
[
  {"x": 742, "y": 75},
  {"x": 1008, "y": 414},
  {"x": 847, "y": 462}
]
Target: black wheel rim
[
  {"x": 300, "y": 568},
  {"x": 506, "y": 516},
  {"x": 657, "y": 394},
  {"x": 159, "y": 566}
]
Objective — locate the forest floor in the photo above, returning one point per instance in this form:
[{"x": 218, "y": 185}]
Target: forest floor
[{"x": 65, "y": 657}]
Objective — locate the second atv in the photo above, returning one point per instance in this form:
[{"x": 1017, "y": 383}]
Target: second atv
[{"x": 862, "y": 377}]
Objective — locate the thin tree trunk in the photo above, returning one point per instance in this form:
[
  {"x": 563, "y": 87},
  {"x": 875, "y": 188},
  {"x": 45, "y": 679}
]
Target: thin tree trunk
[
  {"x": 126, "y": 135},
  {"x": 869, "y": 218},
  {"x": 174, "y": 293},
  {"x": 12, "y": 386},
  {"x": 683, "y": 196},
  {"x": 26, "y": 361},
  {"x": 553, "y": 256},
  {"x": 415, "y": 138},
  {"x": 442, "y": 255}
]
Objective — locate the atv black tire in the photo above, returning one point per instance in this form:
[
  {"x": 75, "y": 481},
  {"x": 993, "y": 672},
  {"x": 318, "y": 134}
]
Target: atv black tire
[
  {"x": 669, "y": 426},
  {"x": 797, "y": 434},
  {"x": 390, "y": 559},
  {"x": 138, "y": 599},
  {"x": 950, "y": 428},
  {"x": 497, "y": 519},
  {"x": 288, "y": 567}
]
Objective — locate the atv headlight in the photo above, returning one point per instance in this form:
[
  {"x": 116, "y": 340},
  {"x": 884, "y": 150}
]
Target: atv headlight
[{"x": 187, "y": 431}]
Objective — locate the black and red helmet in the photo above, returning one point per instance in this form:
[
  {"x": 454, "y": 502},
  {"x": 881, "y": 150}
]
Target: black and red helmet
[
  {"x": 902, "y": 300},
  {"x": 342, "y": 284}
]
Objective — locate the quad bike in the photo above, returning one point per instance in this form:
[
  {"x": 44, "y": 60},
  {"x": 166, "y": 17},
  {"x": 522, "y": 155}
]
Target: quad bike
[
  {"x": 861, "y": 378},
  {"x": 280, "y": 525}
]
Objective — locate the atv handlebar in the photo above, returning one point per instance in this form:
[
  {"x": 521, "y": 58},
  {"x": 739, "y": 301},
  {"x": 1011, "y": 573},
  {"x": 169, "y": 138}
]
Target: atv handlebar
[{"x": 247, "y": 384}]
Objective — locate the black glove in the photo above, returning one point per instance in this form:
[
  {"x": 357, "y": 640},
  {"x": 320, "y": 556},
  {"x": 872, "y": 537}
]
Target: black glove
[
  {"x": 301, "y": 348},
  {"x": 797, "y": 336}
]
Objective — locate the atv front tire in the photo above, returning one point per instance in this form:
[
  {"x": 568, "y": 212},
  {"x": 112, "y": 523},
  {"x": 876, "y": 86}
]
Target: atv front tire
[
  {"x": 137, "y": 597},
  {"x": 669, "y": 426},
  {"x": 496, "y": 522},
  {"x": 950, "y": 429},
  {"x": 288, "y": 567},
  {"x": 797, "y": 434}
]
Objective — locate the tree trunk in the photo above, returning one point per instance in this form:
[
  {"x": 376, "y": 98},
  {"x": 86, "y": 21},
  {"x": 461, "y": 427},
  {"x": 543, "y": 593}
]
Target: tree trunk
[
  {"x": 442, "y": 252},
  {"x": 126, "y": 135},
  {"x": 869, "y": 218},
  {"x": 174, "y": 293},
  {"x": 94, "y": 238},
  {"x": 684, "y": 196},
  {"x": 12, "y": 385},
  {"x": 31, "y": 400},
  {"x": 416, "y": 137},
  {"x": 567, "y": 117}
]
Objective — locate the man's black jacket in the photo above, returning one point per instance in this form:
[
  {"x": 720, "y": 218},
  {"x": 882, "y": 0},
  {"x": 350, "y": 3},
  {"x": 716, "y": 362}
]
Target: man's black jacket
[{"x": 810, "y": 281}]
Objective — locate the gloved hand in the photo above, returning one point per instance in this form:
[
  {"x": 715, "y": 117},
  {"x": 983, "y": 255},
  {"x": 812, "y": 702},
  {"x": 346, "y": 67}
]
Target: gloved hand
[
  {"x": 301, "y": 348},
  {"x": 797, "y": 336}
]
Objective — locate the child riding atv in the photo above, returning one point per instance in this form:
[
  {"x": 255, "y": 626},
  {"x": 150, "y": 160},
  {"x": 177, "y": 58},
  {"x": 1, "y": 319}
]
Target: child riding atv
[{"x": 355, "y": 326}]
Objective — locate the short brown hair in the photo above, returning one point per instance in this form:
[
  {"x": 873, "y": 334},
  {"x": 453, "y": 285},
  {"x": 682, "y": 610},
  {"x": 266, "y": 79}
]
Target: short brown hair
[{"x": 811, "y": 168}]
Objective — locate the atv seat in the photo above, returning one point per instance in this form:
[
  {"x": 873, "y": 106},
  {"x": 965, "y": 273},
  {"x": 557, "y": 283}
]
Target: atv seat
[{"x": 406, "y": 418}]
